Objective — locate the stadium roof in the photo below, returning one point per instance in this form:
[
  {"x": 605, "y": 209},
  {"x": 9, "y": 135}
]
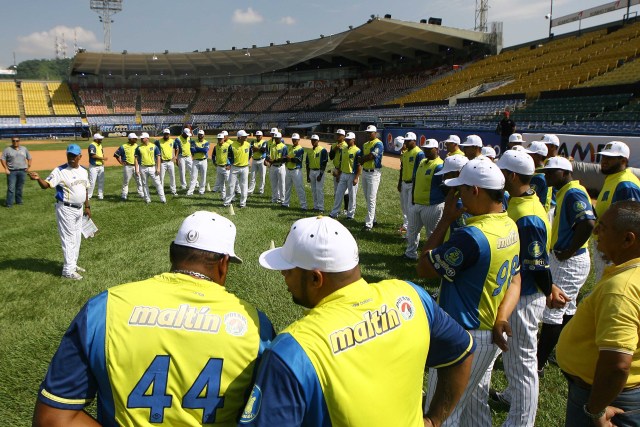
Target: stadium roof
[{"x": 381, "y": 38}]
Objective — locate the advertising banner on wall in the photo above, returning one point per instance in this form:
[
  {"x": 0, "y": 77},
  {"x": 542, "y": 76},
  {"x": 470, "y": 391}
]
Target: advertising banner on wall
[{"x": 389, "y": 134}]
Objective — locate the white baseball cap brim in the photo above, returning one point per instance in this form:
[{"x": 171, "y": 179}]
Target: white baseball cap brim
[
  {"x": 208, "y": 231},
  {"x": 558, "y": 163},
  {"x": 453, "y": 164},
  {"x": 615, "y": 149},
  {"x": 516, "y": 161},
  {"x": 98, "y": 136}
]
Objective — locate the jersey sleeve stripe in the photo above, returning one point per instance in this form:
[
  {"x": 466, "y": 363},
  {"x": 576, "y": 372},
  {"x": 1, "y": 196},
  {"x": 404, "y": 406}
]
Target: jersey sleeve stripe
[{"x": 64, "y": 401}]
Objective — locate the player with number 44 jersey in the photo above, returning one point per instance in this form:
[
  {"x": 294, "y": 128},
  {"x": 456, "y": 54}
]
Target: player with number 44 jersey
[{"x": 175, "y": 350}]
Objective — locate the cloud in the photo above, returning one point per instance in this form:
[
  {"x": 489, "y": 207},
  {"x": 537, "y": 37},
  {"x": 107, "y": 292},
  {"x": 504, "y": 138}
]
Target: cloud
[
  {"x": 248, "y": 16},
  {"x": 42, "y": 44},
  {"x": 287, "y": 20}
]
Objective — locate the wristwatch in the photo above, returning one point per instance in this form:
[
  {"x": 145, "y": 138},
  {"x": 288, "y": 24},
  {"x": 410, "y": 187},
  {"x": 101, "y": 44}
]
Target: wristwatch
[{"x": 593, "y": 416}]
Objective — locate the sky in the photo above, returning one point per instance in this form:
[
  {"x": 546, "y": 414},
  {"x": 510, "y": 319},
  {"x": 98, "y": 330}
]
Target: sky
[{"x": 29, "y": 27}]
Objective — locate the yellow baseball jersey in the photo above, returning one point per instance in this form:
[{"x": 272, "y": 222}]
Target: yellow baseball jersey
[
  {"x": 199, "y": 149},
  {"x": 166, "y": 148},
  {"x": 184, "y": 146},
  {"x": 317, "y": 158},
  {"x": 409, "y": 161},
  {"x": 477, "y": 265},
  {"x": 171, "y": 350},
  {"x": 455, "y": 153},
  {"x": 336, "y": 150},
  {"x": 349, "y": 159},
  {"x": 258, "y": 146},
  {"x": 295, "y": 153},
  {"x": 573, "y": 205},
  {"x": 356, "y": 359},
  {"x": 607, "y": 319},
  {"x": 95, "y": 149},
  {"x": 623, "y": 185},
  {"x": 376, "y": 148},
  {"x": 239, "y": 153},
  {"x": 426, "y": 186},
  {"x": 127, "y": 153},
  {"x": 146, "y": 154}
]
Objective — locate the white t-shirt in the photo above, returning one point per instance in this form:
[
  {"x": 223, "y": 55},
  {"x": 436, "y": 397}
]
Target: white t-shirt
[{"x": 71, "y": 184}]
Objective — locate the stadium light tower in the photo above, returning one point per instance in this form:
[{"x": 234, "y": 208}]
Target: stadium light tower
[
  {"x": 106, "y": 8},
  {"x": 482, "y": 12}
]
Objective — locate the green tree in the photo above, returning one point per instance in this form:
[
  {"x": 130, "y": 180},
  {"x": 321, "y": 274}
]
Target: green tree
[{"x": 44, "y": 69}]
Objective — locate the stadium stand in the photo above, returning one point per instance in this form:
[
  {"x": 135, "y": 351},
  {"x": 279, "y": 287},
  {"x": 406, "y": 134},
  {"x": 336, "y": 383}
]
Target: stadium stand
[
  {"x": 62, "y": 99},
  {"x": 9, "y": 100},
  {"x": 35, "y": 99}
]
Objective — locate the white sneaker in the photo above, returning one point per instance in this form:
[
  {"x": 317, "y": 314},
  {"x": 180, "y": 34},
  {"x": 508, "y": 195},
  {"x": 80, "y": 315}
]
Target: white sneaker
[
  {"x": 72, "y": 276},
  {"x": 80, "y": 269}
]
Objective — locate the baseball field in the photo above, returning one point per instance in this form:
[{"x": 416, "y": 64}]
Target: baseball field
[{"x": 132, "y": 244}]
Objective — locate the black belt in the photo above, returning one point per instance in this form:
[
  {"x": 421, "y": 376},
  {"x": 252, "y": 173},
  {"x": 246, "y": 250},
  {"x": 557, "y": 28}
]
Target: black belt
[
  {"x": 246, "y": 166},
  {"x": 407, "y": 182},
  {"x": 277, "y": 166},
  {"x": 166, "y": 161},
  {"x": 316, "y": 169},
  {"x": 369, "y": 170},
  {"x": 71, "y": 205},
  {"x": 17, "y": 170}
]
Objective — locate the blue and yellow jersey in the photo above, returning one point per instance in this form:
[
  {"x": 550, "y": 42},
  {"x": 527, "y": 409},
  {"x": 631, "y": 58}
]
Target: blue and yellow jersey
[
  {"x": 458, "y": 152},
  {"x": 146, "y": 154},
  {"x": 295, "y": 155},
  {"x": 199, "y": 149},
  {"x": 126, "y": 153},
  {"x": 171, "y": 350},
  {"x": 259, "y": 149},
  {"x": 317, "y": 158},
  {"x": 183, "y": 145},
  {"x": 278, "y": 151},
  {"x": 349, "y": 159},
  {"x": 427, "y": 186},
  {"x": 545, "y": 193},
  {"x": 71, "y": 184},
  {"x": 334, "y": 154},
  {"x": 409, "y": 161},
  {"x": 476, "y": 265},
  {"x": 376, "y": 148},
  {"x": 95, "y": 149},
  {"x": 239, "y": 153},
  {"x": 623, "y": 185},
  {"x": 166, "y": 147},
  {"x": 356, "y": 360},
  {"x": 220, "y": 154},
  {"x": 534, "y": 231},
  {"x": 573, "y": 206}
]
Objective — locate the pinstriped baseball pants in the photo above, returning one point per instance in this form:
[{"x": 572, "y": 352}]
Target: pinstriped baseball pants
[
  {"x": 421, "y": 216},
  {"x": 568, "y": 275}
]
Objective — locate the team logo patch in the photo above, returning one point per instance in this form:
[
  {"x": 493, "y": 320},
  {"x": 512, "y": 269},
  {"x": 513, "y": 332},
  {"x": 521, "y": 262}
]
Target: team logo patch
[
  {"x": 235, "y": 324},
  {"x": 405, "y": 306},
  {"x": 579, "y": 206},
  {"x": 192, "y": 236},
  {"x": 252, "y": 409},
  {"x": 535, "y": 249},
  {"x": 453, "y": 257}
]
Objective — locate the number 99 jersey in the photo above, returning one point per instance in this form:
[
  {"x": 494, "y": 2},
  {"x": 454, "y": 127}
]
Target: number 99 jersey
[
  {"x": 476, "y": 265},
  {"x": 170, "y": 350}
]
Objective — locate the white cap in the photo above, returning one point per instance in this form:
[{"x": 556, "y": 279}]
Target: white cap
[
  {"x": 225, "y": 133},
  {"x": 132, "y": 136},
  {"x": 398, "y": 142},
  {"x": 453, "y": 138},
  {"x": 472, "y": 141},
  {"x": 517, "y": 138},
  {"x": 480, "y": 172},
  {"x": 273, "y": 130},
  {"x": 518, "y": 148},
  {"x": 430, "y": 143},
  {"x": 97, "y": 136},
  {"x": 186, "y": 131},
  {"x": 220, "y": 135},
  {"x": 258, "y": 133},
  {"x": 615, "y": 149},
  {"x": 166, "y": 130},
  {"x": 144, "y": 135},
  {"x": 350, "y": 135},
  {"x": 340, "y": 132},
  {"x": 316, "y": 137},
  {"x": 453, "y": 164},
  {"x": 277, "y": 135},
  {"x": 551, "y": 139},
  {"x": 517, "y": 161},
  {"x": 537, "y": 147},
  {"x": 210, "y": 232},
  {"x": 295, "y": 136},
  {"x": 371, "y": 128},
  {"x": 558, "y": 163},
  {"x": 488, "y": 151},
  {"x": 410, "y": 136},
  {"x": 242, "y": 133},
  {"x": 316, "y": 243},
  {"x": 200, "y": 132}
]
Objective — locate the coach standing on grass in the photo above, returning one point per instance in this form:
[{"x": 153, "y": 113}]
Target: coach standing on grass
[
  {"x": 371, "y": 160},
  {"x": 179, "y": 334},
  {"x": 71, "y": 182},
  {"x": 16, "y": 162},
  {"x": 357, "y": 358},
  {"x": 599, "y": 349}
]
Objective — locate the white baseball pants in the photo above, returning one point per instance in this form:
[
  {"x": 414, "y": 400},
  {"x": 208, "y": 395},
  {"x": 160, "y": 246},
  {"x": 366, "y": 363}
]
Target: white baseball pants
[
  {"x": 129, "y": 171},
  {"x": 70, "y": 230},
  {"x": 198, "y": 170},
  {"x": 96, "y": 174},
  {"x": 569, "y": 276},
  {"x": 472, "y": 409},
  {"x": 370, "y": 184},
  {"x": 222, "y": 181},
  {"x": 317, "y": 189},
  {"x": 257, "y": 168},
  {"x": 421, "y": 216},
  {"x": 239, "y": 176},
  {"x": 148, "y": 173},
  {"x": 293, "y": 178},
  {"x": 345, "y": 183},
  {"x": 521, "y": 362},
  {"x": 185, "y": 163},
  {"x": 405, "y": 202},
  {"x": 168, "y": 167},
  {"x": 277, "y": 177}
]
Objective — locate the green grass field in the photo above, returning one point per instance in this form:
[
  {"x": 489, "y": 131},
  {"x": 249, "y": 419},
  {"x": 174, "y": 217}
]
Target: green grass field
[{"x": 38, "y": 305}]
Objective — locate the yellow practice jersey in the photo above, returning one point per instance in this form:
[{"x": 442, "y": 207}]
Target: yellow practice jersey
[
  {"x": 96, "y": 150},
  {"x": 426, "y": 187},
  {"x": 336, "y": 150},
  {"x": 349, "y": 157},
  {"x": 623, "y": 185},
  {"x": 127, "y": 153},
  {"x": 409, "y": 161},
  {"x": 239, "y": 153},
  {"x": 146, "y": 154},
  {"x": 166, "y": 147}
]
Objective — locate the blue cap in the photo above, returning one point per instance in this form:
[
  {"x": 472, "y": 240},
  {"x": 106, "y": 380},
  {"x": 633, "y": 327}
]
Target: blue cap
[{"x": 74, "y": 149}]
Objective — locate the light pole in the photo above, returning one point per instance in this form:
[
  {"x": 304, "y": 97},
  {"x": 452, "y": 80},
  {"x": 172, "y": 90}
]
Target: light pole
[{"x": 550, "y": 18}]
